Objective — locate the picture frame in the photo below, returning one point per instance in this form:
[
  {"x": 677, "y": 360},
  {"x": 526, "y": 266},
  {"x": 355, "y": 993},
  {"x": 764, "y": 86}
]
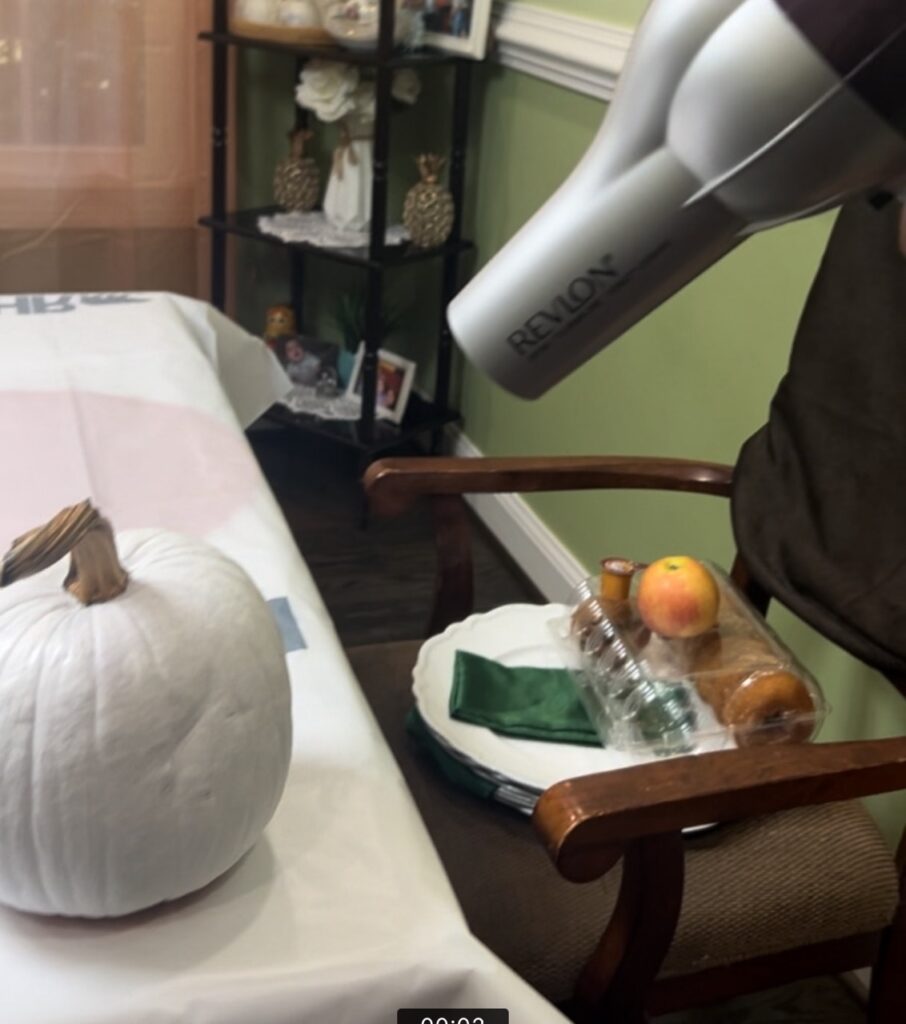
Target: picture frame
[
  {"x": 395, "y": 377},
  {"x": 458, "y": 26},
  {"x": 303, "y": 357}
]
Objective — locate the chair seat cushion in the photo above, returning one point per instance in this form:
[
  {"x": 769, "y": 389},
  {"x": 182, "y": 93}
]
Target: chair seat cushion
[{"x": 758, "y": 887}]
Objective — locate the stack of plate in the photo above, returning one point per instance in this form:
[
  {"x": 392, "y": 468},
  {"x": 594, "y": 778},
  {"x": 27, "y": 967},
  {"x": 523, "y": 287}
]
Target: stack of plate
[{"x": 514, "y": 635}]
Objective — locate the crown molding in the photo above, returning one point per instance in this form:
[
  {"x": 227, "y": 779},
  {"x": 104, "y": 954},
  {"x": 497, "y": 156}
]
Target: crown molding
[{"x": 581, "y": 54}]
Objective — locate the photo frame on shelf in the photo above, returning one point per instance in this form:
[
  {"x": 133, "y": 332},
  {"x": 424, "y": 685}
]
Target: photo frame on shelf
[
  {"x": 458, "y": 26},
  {"x": 394, "y": 383}
]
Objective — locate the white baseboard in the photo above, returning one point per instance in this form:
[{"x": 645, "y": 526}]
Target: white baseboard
[{"x": 541, "y": 555}]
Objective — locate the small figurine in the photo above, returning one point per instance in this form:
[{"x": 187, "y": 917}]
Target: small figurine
[
  {"x": 328, "y": 383},
  {"x": 280, "y": 323}
]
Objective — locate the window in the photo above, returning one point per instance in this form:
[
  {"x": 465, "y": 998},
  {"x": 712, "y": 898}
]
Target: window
[{"x": 103, "y": 114}]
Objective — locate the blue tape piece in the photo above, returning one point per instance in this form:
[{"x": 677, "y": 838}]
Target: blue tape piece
[{"x": 289, "y": 628}]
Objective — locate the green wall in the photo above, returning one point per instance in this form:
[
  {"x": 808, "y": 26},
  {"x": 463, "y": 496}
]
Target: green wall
[{"x": 694, "y": 379}]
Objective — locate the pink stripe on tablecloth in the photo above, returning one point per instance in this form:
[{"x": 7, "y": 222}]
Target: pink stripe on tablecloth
[{"x": 144, "y": 463}]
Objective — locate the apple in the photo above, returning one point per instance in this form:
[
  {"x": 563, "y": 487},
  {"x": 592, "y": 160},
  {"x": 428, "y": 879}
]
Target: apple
[{"x": 677, "y": 597}]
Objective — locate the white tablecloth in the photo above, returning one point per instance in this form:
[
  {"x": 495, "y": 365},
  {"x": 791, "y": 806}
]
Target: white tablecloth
[{"x": 342, "y": 913}]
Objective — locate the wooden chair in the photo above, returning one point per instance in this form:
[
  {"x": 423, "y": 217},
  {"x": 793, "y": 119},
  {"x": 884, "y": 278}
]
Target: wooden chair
[{"x": 797, "y": 883}]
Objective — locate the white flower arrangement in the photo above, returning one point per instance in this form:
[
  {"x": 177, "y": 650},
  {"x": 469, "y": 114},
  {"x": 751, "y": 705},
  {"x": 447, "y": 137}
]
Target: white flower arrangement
[
  {"x": 333, "y": 90},
  {"x": 328, "y": 88}
]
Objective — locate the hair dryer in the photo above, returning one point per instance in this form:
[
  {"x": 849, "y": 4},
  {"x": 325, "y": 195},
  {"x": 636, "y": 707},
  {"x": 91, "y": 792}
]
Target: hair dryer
[{"x": 731, "y": 116}]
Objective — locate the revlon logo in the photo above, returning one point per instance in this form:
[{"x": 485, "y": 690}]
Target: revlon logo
[{"x": 566, "y": 308}]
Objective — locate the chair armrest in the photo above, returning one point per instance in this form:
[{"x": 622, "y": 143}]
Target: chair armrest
[
  {"x": 583, "y": 821},
  {"x": 392, "y": 485}
]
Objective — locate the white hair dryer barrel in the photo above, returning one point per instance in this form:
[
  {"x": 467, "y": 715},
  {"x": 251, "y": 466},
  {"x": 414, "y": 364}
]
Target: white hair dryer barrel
[
  {"x": 574, "y": 279},
  {"x": 732, "y": 116}
]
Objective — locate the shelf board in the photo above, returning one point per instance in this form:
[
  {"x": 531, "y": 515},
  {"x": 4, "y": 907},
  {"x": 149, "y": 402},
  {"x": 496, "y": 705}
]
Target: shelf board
[
  {"x": 245, "y": 224},
  {"x": 421, "y": 417},
  {"x": 400, "y": 59}
]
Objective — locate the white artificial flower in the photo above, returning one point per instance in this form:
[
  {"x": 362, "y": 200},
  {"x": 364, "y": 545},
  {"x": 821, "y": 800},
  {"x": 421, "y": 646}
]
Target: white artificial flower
[
  {"x": 406, "y": 86},
  {"x": 327, "y": 87},
  {"x": 336, "y": 108}
]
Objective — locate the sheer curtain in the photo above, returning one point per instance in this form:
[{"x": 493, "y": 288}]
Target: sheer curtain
[{"x": 104, "y": 145}]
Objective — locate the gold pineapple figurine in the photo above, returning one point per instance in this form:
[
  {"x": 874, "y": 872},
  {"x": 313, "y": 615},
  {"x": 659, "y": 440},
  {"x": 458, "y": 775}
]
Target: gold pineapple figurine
[
  {"x": 428, "y": 210},
  {"x": 297, "y": 180}
]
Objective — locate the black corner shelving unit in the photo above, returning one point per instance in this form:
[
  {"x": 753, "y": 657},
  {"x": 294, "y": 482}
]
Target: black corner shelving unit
[{"x": 368, "y": 435}]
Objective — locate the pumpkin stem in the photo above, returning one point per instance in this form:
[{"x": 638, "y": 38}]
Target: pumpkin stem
[{"x": 95, "y": 574}]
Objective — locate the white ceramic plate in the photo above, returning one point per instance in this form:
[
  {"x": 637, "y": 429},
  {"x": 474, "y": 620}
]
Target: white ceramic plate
[{"x": 516, "y": 634}]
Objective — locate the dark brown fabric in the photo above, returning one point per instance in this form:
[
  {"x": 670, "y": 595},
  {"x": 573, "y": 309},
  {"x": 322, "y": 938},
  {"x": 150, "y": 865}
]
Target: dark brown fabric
[
  {"x": 868, "y": 50},
  {"x": 819, "y": 501},
  {"x": 759, "y": 887}
]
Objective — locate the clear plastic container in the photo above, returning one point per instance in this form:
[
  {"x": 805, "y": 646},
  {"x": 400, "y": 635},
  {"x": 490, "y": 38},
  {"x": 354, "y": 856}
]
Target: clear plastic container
[{"x": 734, "y": 684}]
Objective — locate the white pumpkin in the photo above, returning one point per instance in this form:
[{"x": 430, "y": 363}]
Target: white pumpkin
[{"x": 144, "y": 737}]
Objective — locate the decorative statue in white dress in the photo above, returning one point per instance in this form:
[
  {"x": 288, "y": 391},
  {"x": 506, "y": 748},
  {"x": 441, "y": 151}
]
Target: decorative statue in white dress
[{"x": 347, "y": 202}]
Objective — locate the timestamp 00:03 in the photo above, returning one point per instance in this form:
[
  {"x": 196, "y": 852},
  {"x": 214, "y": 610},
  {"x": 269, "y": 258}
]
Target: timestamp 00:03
[{"x": 452, "y": 1016}]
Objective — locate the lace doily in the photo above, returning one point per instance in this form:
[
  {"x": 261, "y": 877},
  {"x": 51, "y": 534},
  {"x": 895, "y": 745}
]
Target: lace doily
[
  {"x": 315, "y": 228},
  {"x": 307, "y": 400}
]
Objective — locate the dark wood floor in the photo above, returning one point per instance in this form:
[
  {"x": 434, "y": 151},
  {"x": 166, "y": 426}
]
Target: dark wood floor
[{"x": 377, "y": 581}]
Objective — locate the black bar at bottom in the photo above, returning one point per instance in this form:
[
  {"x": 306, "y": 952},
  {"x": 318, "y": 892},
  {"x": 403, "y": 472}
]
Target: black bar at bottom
[{"x": 497, "y": 1016}]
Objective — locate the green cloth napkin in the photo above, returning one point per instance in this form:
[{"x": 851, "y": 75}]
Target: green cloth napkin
[
  {"x": 533, "y": 703},
  {"x": 454, "y": 771}
]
